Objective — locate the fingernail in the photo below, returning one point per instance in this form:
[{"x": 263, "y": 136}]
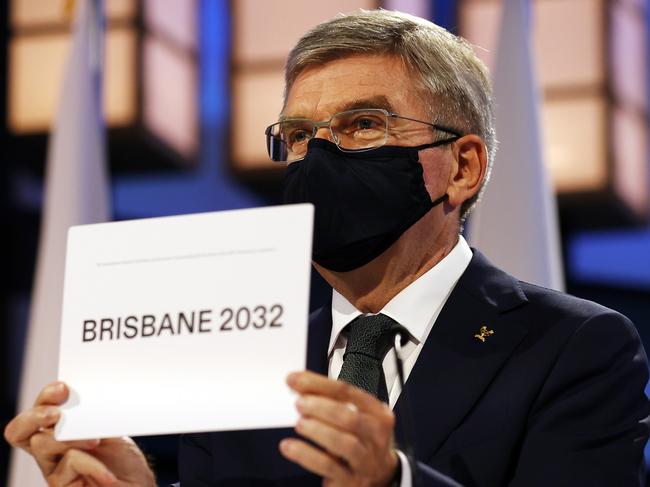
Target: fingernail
[
  {"x": 92, "y": 443},
  {"x": 51, "y": 413},
  {"x": 300, "y": 424},
  {"x": 285, "y": 446},
  {"x": 292, "y": 378},
  {"x": 110, "y": 478}
]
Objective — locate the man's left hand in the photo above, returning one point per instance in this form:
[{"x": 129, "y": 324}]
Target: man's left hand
[{"x": 353, "y": 428}]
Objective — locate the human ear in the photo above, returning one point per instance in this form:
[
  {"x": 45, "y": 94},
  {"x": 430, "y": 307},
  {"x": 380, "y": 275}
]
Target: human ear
[{"x": 468, "y": 169}]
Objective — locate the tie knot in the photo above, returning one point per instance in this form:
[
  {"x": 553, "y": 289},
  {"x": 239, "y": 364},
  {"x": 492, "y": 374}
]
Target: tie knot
[{"x": 372, "y": 335}]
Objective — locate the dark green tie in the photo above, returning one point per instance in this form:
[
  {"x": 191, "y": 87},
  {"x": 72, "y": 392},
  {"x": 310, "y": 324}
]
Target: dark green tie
[{"x": 369, "y": 340}]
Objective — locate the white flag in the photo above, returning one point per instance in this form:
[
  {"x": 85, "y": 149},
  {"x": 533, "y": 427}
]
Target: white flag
[
  {"x": 515, "y": 224},
  {"x": 76, "y": 192}
]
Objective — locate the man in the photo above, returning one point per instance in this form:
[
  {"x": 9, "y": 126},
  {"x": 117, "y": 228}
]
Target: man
[{"x": 387, "y": 128}]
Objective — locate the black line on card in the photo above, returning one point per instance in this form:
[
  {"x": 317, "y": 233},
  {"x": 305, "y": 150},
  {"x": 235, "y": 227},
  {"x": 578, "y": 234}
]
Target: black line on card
[{"x": 205, "y": 255}]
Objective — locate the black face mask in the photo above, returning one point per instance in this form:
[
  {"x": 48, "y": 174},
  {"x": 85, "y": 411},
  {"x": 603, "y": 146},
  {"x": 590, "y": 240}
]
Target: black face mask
[{"x": 364, "y": 201}]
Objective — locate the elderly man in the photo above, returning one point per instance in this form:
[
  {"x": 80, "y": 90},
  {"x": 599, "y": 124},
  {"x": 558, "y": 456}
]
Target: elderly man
[{"x": 387, "y": 128}]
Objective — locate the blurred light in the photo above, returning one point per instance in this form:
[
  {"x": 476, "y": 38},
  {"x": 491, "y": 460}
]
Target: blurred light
[
  {"x": 150, "y": 74},
  {"x": 253, "y": 113},
  {"x": 170, "y": 86},
  {"x": 35, "y": 65},
  {"x": 266, "y": 31},
  {"x": 263, "y": 35},
  {"x": 120, "y": 77},
  {"x": 575, "y": 136},
  {"x": 629, "y": 56},
  {"x": 173, "y": 19},
  {"x": 36, "y": 75},
  {"x": 37, "y": 13},
  {"x": 420, "y": 8},
  {"x": 567, "y": 39},
  {"x": 592, "y": 62},
  {"x": 569, "y": 42},
  {"x": 479, "y": 23},
  {"x": 625, "y": 264},
  {"x": 170, "y": 74},
  {"x": 630, "y": 152},
  {"x": 120, "y": 9},
  {"x": 30, "y": 13}
]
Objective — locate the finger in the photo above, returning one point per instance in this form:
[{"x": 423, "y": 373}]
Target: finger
[
  {"x": 84, "y": 482},
  {"x": 343, "y": 415},
  {"x": 307, "y": 382},
  {"x": 90, "y": 482},
  {"x": 338, "y": 443},
  {"x": 314, "y": 460},
  {"x": 53, "y": 394},
  {"x": 75, "y": 464},
  {"x": 347, "y": 417},
  {"x": 47, "y": 451},
  {"x": 45, "y": 444},
  {"x": 22, "y": 427}
]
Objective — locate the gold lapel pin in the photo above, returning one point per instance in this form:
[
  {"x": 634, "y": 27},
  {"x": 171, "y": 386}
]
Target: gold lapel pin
[{"x": 483, "y": 333}]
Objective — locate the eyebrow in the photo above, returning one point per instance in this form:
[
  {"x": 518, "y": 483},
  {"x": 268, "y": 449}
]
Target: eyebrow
[{"x": 379, "y": 101}]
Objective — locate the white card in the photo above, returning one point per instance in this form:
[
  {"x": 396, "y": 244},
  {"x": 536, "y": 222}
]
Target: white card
[{"x": 203, "y": 317}]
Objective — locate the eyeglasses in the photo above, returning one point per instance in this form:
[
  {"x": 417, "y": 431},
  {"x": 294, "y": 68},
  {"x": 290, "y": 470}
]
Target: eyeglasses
[{"x": 352, "y": 131}]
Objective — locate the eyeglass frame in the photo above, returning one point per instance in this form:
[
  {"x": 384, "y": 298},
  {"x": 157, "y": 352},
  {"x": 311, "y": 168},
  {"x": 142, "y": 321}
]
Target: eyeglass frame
[{"x": 328, "y": 123}]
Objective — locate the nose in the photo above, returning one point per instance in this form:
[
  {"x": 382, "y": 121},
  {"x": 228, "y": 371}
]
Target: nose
[{"x": 324, "y": 133}]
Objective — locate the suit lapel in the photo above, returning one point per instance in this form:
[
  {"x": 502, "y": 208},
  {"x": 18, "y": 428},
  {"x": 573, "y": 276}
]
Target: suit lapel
[{"x": 455, "y": 367}]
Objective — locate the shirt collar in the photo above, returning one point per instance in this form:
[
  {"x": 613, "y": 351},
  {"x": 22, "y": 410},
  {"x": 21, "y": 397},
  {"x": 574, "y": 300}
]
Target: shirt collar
[{"x": 415, "y": 306}]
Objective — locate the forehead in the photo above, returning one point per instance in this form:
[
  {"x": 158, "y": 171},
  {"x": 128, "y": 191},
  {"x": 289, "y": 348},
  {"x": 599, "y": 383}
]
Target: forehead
[{"x": 354, "y": 82}]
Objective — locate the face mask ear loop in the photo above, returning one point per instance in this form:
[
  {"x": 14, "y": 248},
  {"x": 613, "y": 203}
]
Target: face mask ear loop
[
  {"x": 437, "y": 143},
  {"x": 437, "y": 201}
]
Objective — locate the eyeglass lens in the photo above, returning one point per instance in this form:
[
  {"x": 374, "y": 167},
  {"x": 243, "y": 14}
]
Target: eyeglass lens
[{"x": 350, "y": 130}]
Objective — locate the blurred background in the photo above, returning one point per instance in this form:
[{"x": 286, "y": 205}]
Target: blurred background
[{"x": 190, "y": 85}]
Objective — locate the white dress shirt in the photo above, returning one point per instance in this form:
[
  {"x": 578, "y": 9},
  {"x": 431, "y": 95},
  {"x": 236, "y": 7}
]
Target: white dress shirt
[{"x": 416, "y": 308}]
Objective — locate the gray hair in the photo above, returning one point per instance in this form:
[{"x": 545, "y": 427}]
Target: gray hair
[{"x": 450, "y": 76}]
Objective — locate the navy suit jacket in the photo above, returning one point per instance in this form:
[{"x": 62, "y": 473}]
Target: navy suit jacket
[{"x": 555, "y": 397}]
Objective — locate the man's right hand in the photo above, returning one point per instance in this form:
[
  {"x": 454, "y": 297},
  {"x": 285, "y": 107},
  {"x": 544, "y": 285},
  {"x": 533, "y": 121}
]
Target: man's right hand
[{"x": 113, "y": 461}]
